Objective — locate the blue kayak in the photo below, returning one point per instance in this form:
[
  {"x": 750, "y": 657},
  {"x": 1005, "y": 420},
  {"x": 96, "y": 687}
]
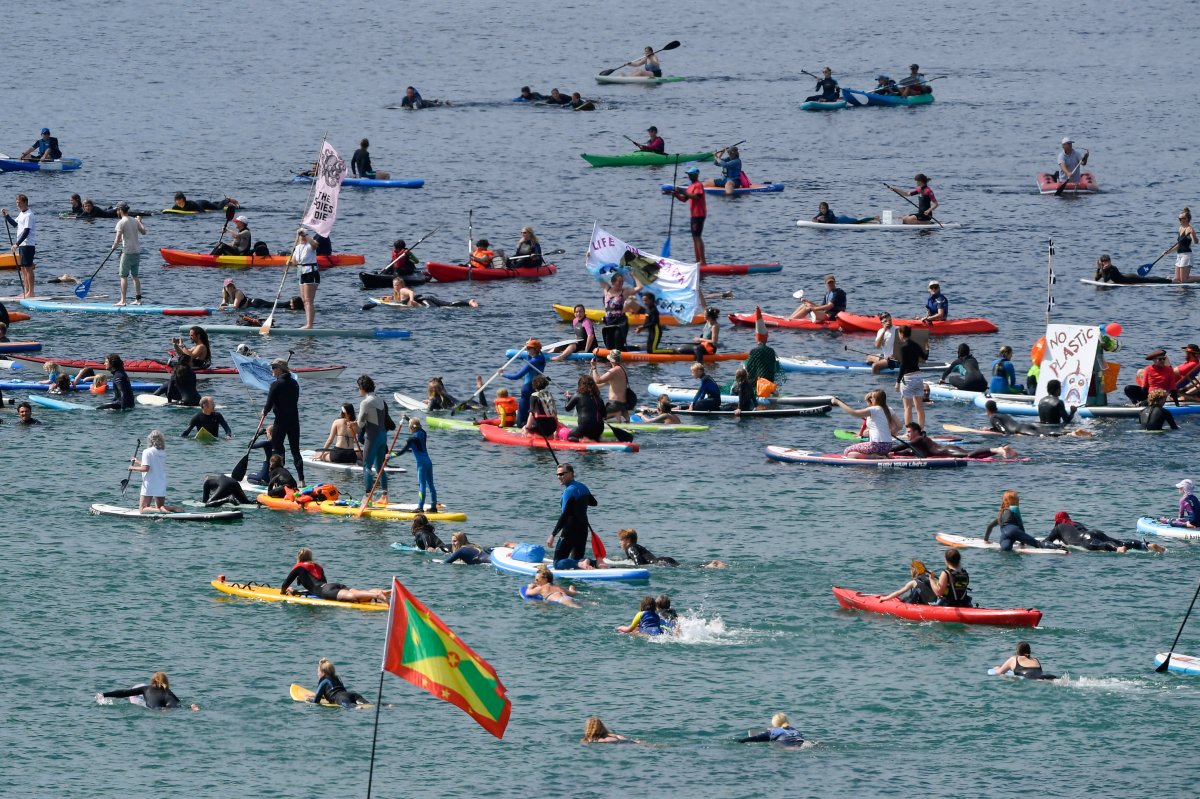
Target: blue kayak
[
  {"x": 821, "y": 105},
  {"x": 61, "y": 165},
  {"x": 860, "y": 98},
  {"x": 370, "y": 183},
  {"x": 99, "y": 307}
]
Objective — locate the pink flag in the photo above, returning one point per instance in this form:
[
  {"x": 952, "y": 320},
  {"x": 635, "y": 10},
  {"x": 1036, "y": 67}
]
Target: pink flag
[{"x": 322, "y": 212}]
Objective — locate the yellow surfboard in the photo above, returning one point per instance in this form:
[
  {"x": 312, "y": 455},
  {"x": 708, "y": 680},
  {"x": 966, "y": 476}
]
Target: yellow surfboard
[
  {"x": 301, "y": 694},
  {"x": 351, "y": 509},
  {"x": 266, "y": 593},
  {"x": 205, "y": 437}
]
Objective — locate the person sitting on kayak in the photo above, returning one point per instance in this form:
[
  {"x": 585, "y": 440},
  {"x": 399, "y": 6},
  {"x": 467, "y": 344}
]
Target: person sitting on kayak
[
  {"x": 833, "y": 304},
  {"x": 1012, "y": 526},
  {"x": 311, "y": 577},
  {"x": 661, "y": 413},
  {"x": 881, "y": 426},
  {"x": 708, "y": 395},
  {"x": 1070, "y": 162},
  {"x": 1051, "y": 409},
  {"x": 1155, "y": 414},
  {"x": 730, "y": 162},
  {"x": 915, "y": 83},
  {"x": 182, "y": 203},
  {"x": 655, "y": 144},
  {"x": 463, "y": 551},
  {"x": 1107, "y": 273},
  {"x": 963, "y": 372},
  {"x": 543, "y": 413},
  {"x": 926, "y": 201},
  {"x": 781, "y": 732},
  {"x": 885, "y": 342},
  {"x": 936, "y": 304},
  {"x": 1023, "y": 664},
  {"x": 886, "y": 86},
  {"x": 543, "y": 587},
  {"x": 403, "y": 262},
  {"x": 710, "y": 335},
  {"x": 531, "y": 96},
  {"x": 529, "y": 250},
  {"x": 241, "y": 242},
  {"x": 1069, "y": 532},
  {"x": 209, "y": 419},
  {"x": 952, "y": 587},
  {"x": 330, "y": 688},
  {"x": 1158, "y": 375},
  {"x": 557, "y": 98},
  {"x": 918, "y": 444},
  {"x": 46, "y": 146},
  {"x": 824, "y": 215},
  {"x": 1004, "y": 374},
  {"x": 585, "y": 334},
  {"x": 157, "y": 695},
  {"x": 638, "y": 554},
  {"x": 646, "y": 621},
  {"x": 649, "y": 63},
  {"x": 827, "y": 88},
  {"x": 918, "y": 590},
  {"x": 424, "y": 537},
  {"x": 483, "y": 256}
]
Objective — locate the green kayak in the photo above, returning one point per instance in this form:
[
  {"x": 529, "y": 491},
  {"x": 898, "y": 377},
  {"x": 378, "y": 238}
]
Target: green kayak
[
  {"x": 444, "y": 423},
  {"x": 641, "y": 158}
]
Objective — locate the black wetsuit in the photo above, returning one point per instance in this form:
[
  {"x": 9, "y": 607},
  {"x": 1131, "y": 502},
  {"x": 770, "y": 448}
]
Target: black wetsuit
[
  {"x": 1153, "y": 417},
  {"x": 426, "y": 538},
  {"x": 122, "y": 393},
  {"x": 311, "y": 584},
  {"x": 1052, "y": 410},
  {"x": 219, "y": 489},
  {"x": 331, "y": 690},
  {"x": 155, "y": 698},
  {"x": 1110, "y": 274},
  {"x": 644, "y": 557},
  {"x": 589, "y": 417},
  {"x": 181, "y": 387},
  {"x": 573, "y": 521},
  {"x": 747, "y": 396},
  {"x": 279, "y": 479},
  {"x": 360, "y": 164},
  {"x": 969, "y": 379},
  {"x": 204, "y": 205},
  {"x": 430, "y": 301},
  {"x": 260, "y": 477},
  {"x": 1003, "y": 423},
  {"x": 1076, "y": 534},
  {"x": 1012, "y": 532},
  {"x": 212, "y": 422},
  {"x": 284, "y": 398},
  {"x": 471, "y": 554},
  {"x": 926, "y": 447}
]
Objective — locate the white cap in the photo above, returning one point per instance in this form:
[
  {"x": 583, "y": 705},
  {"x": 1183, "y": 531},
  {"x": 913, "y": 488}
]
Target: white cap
[
  {"x": 240, "y": 218},
  {"x": 1186, "y": 485},
  {"x": 1068, "y": 140}
]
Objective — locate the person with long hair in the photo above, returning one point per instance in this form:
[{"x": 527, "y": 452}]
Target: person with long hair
[
  {"x": 310, "y": 576},
  {"x": 423, "y": 534},
  {"x": 585, "y": 334},
  {"x": 529, "y": 250},
  {"x": 1185, "y": 238},
  {"x": 330, "y": 688},
  {"x": 157, "y": 694},
  {"x": 594, "y": 732},
  {"x": 908, "y": 378},
  {"x": 1012, "y": 526},
  {"x": 341, "y": 445},
  {"x": 589, "y": 410},
  {"x": 881, "y": 426},
  {"x": 1023, "y": 664},
  {"x": 198, "y": 350}
]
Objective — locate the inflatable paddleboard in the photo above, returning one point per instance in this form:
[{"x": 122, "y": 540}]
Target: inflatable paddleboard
[
  {"x": 371, "y": 183},
  {"x": 965, "y": 542},
  {"x": 1104, "y": 285},
  {"x": 685, "y": 394},
  {"x": 502, "y": 559},
  {"x": 761, "y": 413},
  {"x": 1027, "y": 408},
  {"x": 267, "y": 593},
  {"x": 1180, "y": 664},
  {"x": 310, "y": 459},
  {"x": 97, "y": 307},
  {"x": 840, "y": 365},
  {"x": 876, "y": 226},
  {"x": 793, "y": 455},
  {"x": 1149, "y": 524},
  {"x": 56, "y": 404},
  {"x": 100, "y": 509},
  {"x": 316, "y": 332}
]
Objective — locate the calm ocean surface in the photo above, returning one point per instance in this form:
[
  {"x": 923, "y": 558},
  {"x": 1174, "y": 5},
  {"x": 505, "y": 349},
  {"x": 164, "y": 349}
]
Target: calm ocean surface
[{"x": 214, "y": 98}]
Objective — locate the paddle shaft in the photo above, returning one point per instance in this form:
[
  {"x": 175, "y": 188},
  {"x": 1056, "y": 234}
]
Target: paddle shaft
[
  {"x": 407, "y": 250},
  {"x": 125, "y": 483},
  {"x": 229, "y": 211},
  {"x": 366, "y": 501},
  {"x": 81, "y": 291},
  {"x": 1167, "y": 660},
  {"x": 669, "y": 46},
  {"x": 1144, "y": 269},
  {"x": 913, "y": 204},
  {"x": 666, "y": 248},
  {"x": 470, "y": 241},
  {"x": 266, "y": 326},
  {"x": 488, "y": 382}
]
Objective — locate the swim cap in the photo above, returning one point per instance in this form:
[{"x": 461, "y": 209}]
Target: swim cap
[{"x": 1061, "y": 517}]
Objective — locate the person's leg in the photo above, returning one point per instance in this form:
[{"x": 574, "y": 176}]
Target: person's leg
[
  {"x": 308, "y": 293},
  {"x": 622, "y": 333},
  {"x": 523, "y": 404},
  {"x": 919, "y": 402},
  {"x": 293, "y": 437},
  {"x": 124, "y": 282}
]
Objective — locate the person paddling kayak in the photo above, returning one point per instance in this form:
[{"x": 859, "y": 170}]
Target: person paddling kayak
[
  {"x": 655, "y": 144},
  {"x": 833, "y": 304}
]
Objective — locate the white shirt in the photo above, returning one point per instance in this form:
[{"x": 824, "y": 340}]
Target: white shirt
[
  {"x": 127, "y": 229},
  {"x": 25, "y": 222},
  {"x": 305, "y": 256},
  {"x": 877, "y": 425},
  {"x": 885, "y": 340},
  {"x": 154, "y": 482},
  {"x": 1069, "y": 165}
]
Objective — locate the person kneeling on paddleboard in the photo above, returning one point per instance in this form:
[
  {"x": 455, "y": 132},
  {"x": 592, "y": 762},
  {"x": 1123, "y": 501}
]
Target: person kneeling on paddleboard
[
  {"x": 1069, "y": 532},
  {"x": 279, "y": 479},
  {"x": 311, "y": 576},
  {"x": 918, "y": 590},
  {"x": 330, "y": 688},
  {"x": 1012, "y": 527},
  {"x": 781, "y": 731},
  {"x": 1023, "y": 664}
]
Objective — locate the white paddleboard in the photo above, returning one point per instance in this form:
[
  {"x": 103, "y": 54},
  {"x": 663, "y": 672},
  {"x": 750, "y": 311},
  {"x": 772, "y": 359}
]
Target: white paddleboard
[
  {"x": 100, "y": 509},
  {"x": 966, "y": 542},
  {"x": 877, "y": 227},
  {"x": 410, "y": 403},
  {"x": 1136, "y": 286},
  {"x": 1183, "y": 664},
  {"x": 310, "y": 459}
]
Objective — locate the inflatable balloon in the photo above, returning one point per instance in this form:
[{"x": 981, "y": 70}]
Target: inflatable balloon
[
  {"x": 1038, "y": 350},
  {"x": 1114, "y": 329},
  {"x": 1103, "y": 329}
]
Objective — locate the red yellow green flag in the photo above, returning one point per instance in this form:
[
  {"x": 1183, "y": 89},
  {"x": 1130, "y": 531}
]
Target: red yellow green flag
[{"x": 420, "y": 648}]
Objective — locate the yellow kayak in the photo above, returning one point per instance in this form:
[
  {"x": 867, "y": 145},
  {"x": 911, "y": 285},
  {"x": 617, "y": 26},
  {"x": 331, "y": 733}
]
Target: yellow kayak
[
  {"x": 268, "y": 594},
  {"x": 301, "y": 694},
  {"x": 567, "y": 312},
  {"x": 350, "y": 508}
]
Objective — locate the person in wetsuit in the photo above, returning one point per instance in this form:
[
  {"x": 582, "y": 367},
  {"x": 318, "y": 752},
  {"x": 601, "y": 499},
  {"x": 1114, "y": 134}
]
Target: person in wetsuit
[
  {"x": 746, "y": 391},
  {"x": 372, "y": 434},
  {"x": 463, "y": 551},
  {"x": 1069, "y": 532},
  {"x": 585, "y": 334},
  {"x": 1003, "y": 423},
  {"x": 638, "y": 553},
  {"x": 330, "y": 688},
  {"x": 418, "y": 444},
  {"x": 543, "y": 413},
  {"x": 827, "y": 87},
  {"x": 423, "y": 534},
  {"x": 311, "y": 577},
  {"x": 1051, "y": 409},
  {"x": 589, "y": 410},
  {"x": 825, "y": 216},
  {"x": 781, "y": 732},
  {"x": 402, "y": 294},
  {"x": 963, "y": 372},
  {"x": 220, "y": 488},
  {"x": 1155, "y": 414},
  {"x": 360, "y": 162},
  {"x": 180, "y": 387},
  {"x": 1189, "y": 505},
  {"x": 1107, "y": 273},
  {"x": 573, "y": 517},
  {"x": 529, "y": 249},
  {"x": 279, "y": 480},
  {"x": 182, "y": 203},
  {"x": 88, "y": 210},
  {"x": 1024, "y": 664},
  {"x": 926, "y": 202},
  {"x": 920, "y": 445},
  {"x": 210, "y": 419},
  {"x": 535, "y": 364},
  {"x": 708, "y": 395},
  {"x": 646, "y": 621},
  {"x": 529, "y": 96},
  {"x": 157, "y": 695},
  {"x": 121, "y": 388},
  {"x": 1012, "y": 526},
  {"x": 918, "y": 590},
  {"x": 283, "y": 397},
  {"x": 264, "y": 443},
  {"x": 652, "y": 325}
]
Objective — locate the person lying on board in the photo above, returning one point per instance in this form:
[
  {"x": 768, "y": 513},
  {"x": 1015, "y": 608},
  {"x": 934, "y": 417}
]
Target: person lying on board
[
  {"x": 157, "y": 695},
  {"x": 918, "y": 444},
  {"x": 330, "y": 688},
  {"x": 311, "y": 577},
  {"x": 543, "y": 586},
  {"x": 1069, "y": 532},
  {"x": 557, "y": 98},
  {"x": 661, "y": 413},
  {"x": 182, "y": 203},
  {"x": 1003, "y": 423},
  {"x": 403, "y": 295},
  {"x": 1107, "y": 273},
  {"x": 531, "y": 96}
]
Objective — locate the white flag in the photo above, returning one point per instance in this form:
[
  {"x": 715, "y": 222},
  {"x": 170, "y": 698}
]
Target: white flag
[
  {"x": 331, "y": 168},
  {"x": 1069, "y": 359},
  {"x": 675, "y": 284}
]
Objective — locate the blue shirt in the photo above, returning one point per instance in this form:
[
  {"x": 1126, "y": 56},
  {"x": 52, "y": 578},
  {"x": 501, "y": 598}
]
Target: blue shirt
[
  {"x": 732, "y": 167},
  {"x": 836, "y": 298},
  {"x": 534, "y": 366},
  {"x": 708, "y": 388},
  {"x": 938, "y": 302},
  {"x": 574, "y": 490}
]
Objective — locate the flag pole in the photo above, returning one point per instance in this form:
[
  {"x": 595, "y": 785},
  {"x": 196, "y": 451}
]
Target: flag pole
[
  {"x": 1049, "y": 278},
  {"x": 379, "y": 693}
]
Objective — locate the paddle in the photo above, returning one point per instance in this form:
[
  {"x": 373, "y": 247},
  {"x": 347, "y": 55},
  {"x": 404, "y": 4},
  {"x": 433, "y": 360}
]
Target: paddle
[
  {"x": 1144, "y": 269},
  {"x": 230, "y": 210},
  {"x": 1167, "y": 660},
  {"x": 669, "y": 46},
  {"x": 666, "y": 248},
  {"x": 366, "y": 501},
  {"x": 913, "y": 204},
  {"x": 488, "y": 382},
  {"x": 1067, "y": 178},
  {"x": 470, "y": 242},
  {"x": 129, "y": 474},
  {"x": 239, "y": 469},
  {"x": 265, "y": 330},
  {"x": 532, "y": 254},
  {"x": 81, "y": 291}
]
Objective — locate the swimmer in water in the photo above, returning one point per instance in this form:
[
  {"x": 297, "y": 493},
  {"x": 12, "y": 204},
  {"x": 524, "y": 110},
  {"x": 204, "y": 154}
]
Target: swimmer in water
[
  {"x": 1024, "y": 664},
  {"x": 1012, "y": 526},
  {"x": 209, "y": 419},
  {"x": 1003, "y": 423},
  {"x": 543, "y": 586},
  {"x": 331, "y": 690},
  {"x": 157, "y": 694},
  {"x": 594, "y": 732},
  {"x": 646, "y": 621},
  {"x": 781, "y": 731}
]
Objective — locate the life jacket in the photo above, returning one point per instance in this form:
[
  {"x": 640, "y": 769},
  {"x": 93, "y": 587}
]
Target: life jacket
[
  {"x": 958, "y": 594},
  {"x": 765, "y": 387},
  {"x": 506, "y": 407},
  {"x": 650, "y": 623},
  {"x": 314, "y": 569},
  {"x": 261, "y": 250},
  {"x": 318, "y": 493},
  {"x": 482, "y": 258},
  {"x": 98, "y": 387}
]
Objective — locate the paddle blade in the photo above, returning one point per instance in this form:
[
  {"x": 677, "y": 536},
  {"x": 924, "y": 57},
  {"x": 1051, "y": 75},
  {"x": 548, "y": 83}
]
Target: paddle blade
[
  {"x": 81, "y": 291},
  {"x": 1162, "y": 667},
  {"x": 239, "y": 470},
  {"x": 671, "y": 45},
  {"x": 624, "y": 436},
  {"x": 598, "y": 549},
  {"x": 666, "y": 248},
  {"x": 1144, "y": 269},
  {"x": 1058, "y": 192},
  {"x": 607, "y": 72},
  {"x": 265, "y": 330}
]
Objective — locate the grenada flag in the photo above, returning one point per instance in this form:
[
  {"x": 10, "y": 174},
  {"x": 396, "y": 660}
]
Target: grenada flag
[{"x": 420, "y": 648}]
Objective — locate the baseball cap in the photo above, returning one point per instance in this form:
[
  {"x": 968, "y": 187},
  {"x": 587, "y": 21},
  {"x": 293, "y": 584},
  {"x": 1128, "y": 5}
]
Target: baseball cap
[
  {"x": 1068, "y": 140},
  {"x": 1160, "y": 353},
  {"x": 934, "y": 284},
  {"x": 913, "y": 66},
  {"x": 240, "y": 218},
  {"x": 228, "y": 282},
  {"x": 1186, "y": 485},
  {"x": 45, "y": 130},
  {"x": 882, "y": 77},
  {"x": 692, "y": 171},
  {"x": 1191, "y": 348}
]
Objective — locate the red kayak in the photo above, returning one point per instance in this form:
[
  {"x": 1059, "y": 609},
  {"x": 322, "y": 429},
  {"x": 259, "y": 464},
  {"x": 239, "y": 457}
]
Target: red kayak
[
  {"x": 747, "y": 320},
  {"x": 739, "y": 269},
  {"x": 1086, "y": 184},
  {"x": 447, "y": 273},
  {"x": 147, "y": 369},
  {"x": 1003, "y": 617},
  {"x": 669, "y": 357},
  {"x": 517, "y": 438},
  {"x": 185, "y": 258},
  {"x": 855, "y": 323}
]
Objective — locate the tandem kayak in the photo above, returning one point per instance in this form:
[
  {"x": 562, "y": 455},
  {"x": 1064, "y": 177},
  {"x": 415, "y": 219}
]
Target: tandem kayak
[
  {"x": 1086, "y": 184},
  {"x": 1149, "y": 524},
  {"x": 642, "y": 158},
  {"x": 740, "y": 269},
  {"x": 875, "y": 225},
  {"x": 100, "y": 509},
  {"x": 685, "y": 394},
  {"x": 669, "y": 357},
  {"x": 872, "y": 603},
  {"x": 823, "y": 105},
  {"x": 748, "y": 320},
  {"x": 825, "y": 366},
  {"x": 448, "y": 273},
  {"x": 517, "y": 438},
  {"x": 317, "y": 332},
  {"x": 793, "y": 455},
  {"x": 753, "y": 188},
  {"x": 857, "y": 97},
  {"x": 370, "y": 183},
  {"x": 60, "y": 165},
  {"x": 268, "y": 593},
  {"x": 1180, "y": 664},
  {"x": 185, "y": 258},
  {"x": 567, "y": 313},
  {"x": 951, "y": 327},
  {"x": 1018, "y": 407},
  {"x": 148, "y": 369},
  {"x": 503, "y": 560},
  {"x": 643, "y": 80},
  {"x": 99, "y": 307}
]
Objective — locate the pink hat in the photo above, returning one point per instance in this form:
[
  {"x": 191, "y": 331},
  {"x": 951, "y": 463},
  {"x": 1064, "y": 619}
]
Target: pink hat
[{"x": 228, "y": 281}]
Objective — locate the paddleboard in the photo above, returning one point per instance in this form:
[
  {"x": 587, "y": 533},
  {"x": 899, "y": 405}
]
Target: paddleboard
[
  {"x": 317, "y": 332},
  {"x": 1027, "y": 408},
  {"x": 83, "y": 388},
  {"x": 100, "y": 509},
  {"x": 502, "y": 560},
  {"x": 96, "y": 307},
  {"x": 349, "y": 507},
  {"x": 20, "y": 346},
  {"x": 852, "y": 435},
  {"x": 301, "y": 694},
  {"x": 410, "y": 403},
  {"x": 57, "y": 405},
  {"x": 528, "y": 597},
  {"x": 267, "y": 593},
  {"x": 310, "y": 459},
  {"x": 1149, "y": 524},
  {"x": 1180, "y": 664},
  {"x": 839, "y": 365},
  {"x": 793, "y": 455},
  {"x": 762, "y": 413},
  {"x": 1103, "y": 285},
  {"x": 966, "y": 542},
  {"x": 877, "y": 227},
  {"x": 685, "y": 394}
]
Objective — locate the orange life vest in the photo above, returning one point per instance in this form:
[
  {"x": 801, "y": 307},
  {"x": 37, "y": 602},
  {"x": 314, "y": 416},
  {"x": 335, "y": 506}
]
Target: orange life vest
[
  {"x": 482, "y": 258},
  {"x": 506, "y": 407}
]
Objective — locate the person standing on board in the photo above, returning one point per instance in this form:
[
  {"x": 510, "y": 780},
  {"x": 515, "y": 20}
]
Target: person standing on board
[
  {"x": 128, "y": 230},
  {"x": 1070, "y": 162},
  {"x": 693, "y": 195},
  {"x": 573, "y": 518},
  {"x": 283, "y": 397},
  {"x": 304, "y": 256},
  {"x": 1183, "y": 249},
  {"x": 25, "y": 244}
]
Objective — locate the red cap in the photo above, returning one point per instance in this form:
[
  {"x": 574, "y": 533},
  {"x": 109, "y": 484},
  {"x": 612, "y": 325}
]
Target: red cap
[{"x": 1061, "y": 517}]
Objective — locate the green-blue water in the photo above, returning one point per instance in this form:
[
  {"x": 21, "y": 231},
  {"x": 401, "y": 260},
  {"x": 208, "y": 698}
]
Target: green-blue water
[{"x": 202, "y": 99}]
